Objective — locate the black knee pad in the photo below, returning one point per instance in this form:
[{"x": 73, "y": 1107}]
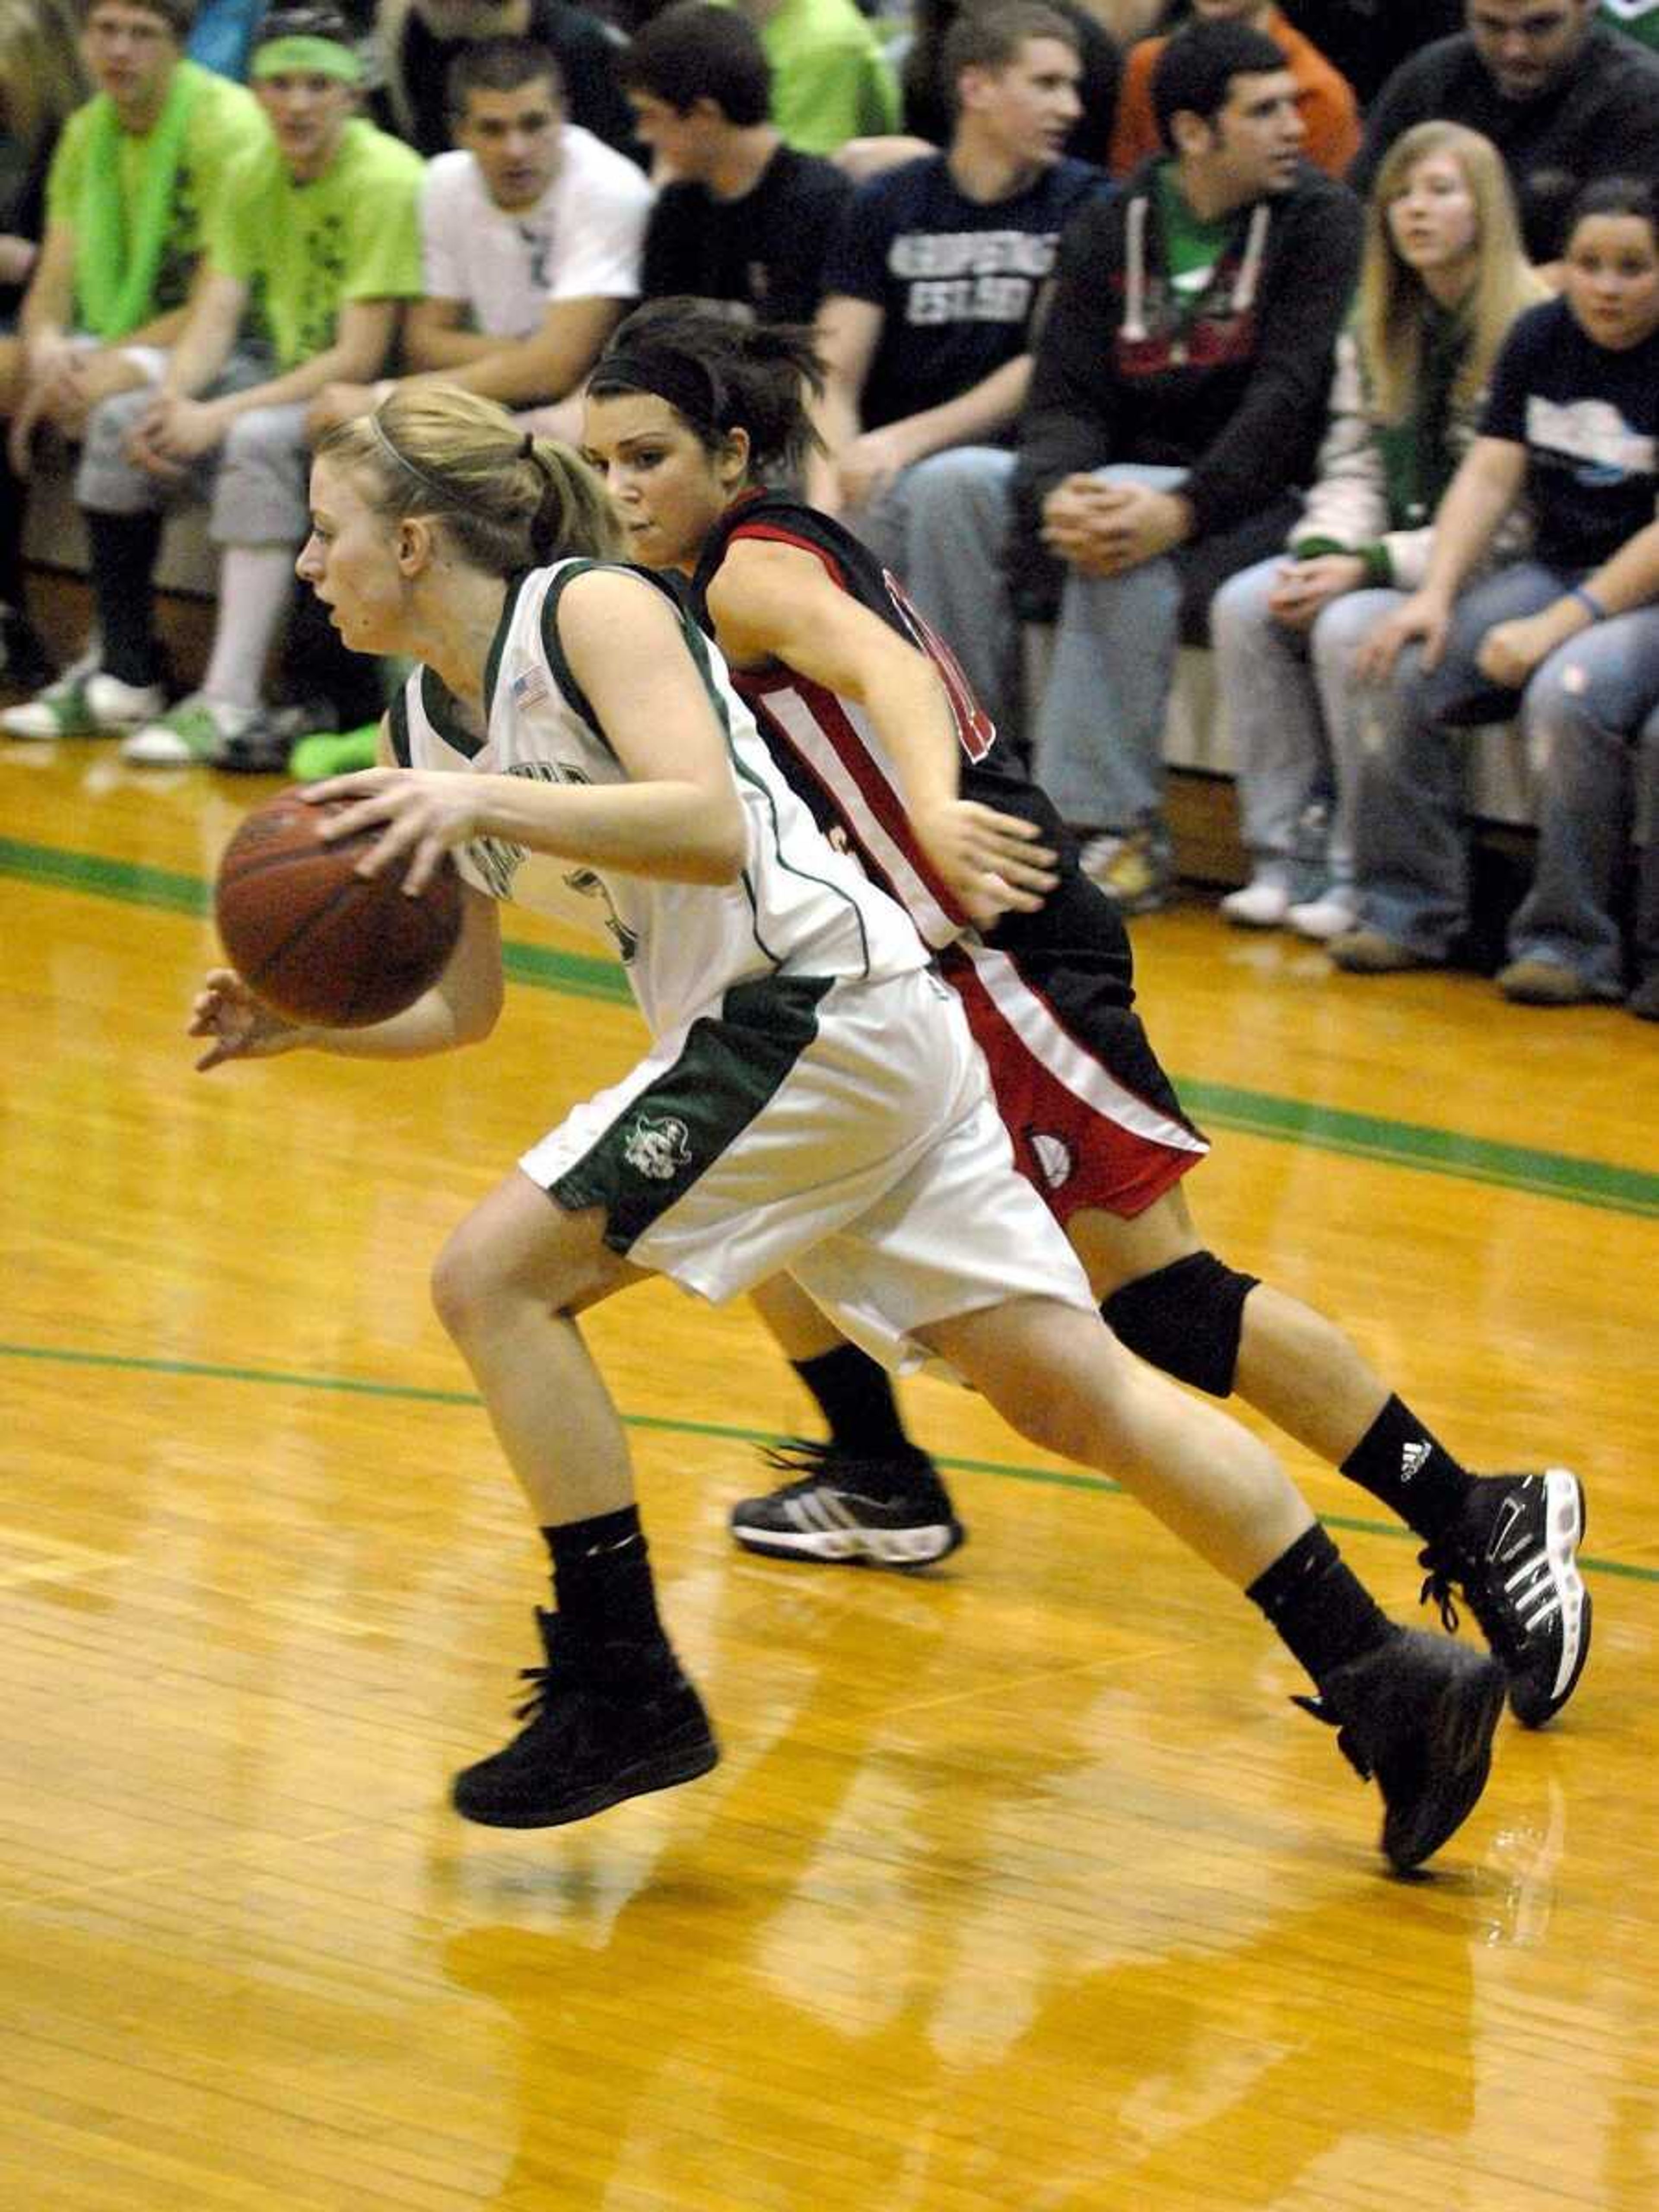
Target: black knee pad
[{"x": 1186, "y": 1318}]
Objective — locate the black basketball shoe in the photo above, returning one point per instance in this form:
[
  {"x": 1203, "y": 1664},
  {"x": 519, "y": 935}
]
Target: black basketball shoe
[
  {"x": 1514, "y": 1555},
  {"x": 614, "y": 1720},
  {"x": 1418, "y": 1713},
  {"x": 894, "y": 1512}
]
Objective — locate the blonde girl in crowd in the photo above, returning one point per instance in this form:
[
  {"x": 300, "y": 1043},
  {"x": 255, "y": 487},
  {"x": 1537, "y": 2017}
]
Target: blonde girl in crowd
[
  {"x": 1442, "y": 280},
  {"x": 1563, "y": 638}
]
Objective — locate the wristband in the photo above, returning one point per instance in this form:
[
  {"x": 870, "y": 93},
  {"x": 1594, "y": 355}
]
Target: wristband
[
  {"x": 1586, "y": 598},
  {"x": 1379, "y": 564}
]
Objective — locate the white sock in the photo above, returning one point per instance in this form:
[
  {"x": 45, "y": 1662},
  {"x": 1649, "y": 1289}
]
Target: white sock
[{"x": 255, "y": 584}]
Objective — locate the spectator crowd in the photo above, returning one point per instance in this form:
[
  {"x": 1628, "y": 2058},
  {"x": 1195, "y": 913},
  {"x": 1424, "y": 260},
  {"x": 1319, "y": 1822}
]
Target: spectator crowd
[{"x": 1322, "y": 334}]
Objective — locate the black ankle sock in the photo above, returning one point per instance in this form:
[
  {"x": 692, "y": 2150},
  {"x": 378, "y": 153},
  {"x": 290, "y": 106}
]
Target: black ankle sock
[
  {"x": 11, "y": 535},
  {"x": 125, "y": 547},
  {"x": 855, "y": 1396},
  {"x": 1321, "y": 1610},
  {"x": 602, "y": 1584},
  {"x": 1400, "y": 1462}
]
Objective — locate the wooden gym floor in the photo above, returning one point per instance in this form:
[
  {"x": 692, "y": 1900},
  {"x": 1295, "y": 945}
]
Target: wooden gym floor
[{"x": 1020, "y": 1885}]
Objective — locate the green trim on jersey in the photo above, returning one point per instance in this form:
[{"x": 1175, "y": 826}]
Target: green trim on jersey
[
  {"x": 396, "y": 715},
  {"x": 563, "y": 675},
  {"x": 498, "y": 643},
  {"x": 445, "y": 716},
  {"x": 732, "y": 1065},
  {"x": 701, "y": 648}
]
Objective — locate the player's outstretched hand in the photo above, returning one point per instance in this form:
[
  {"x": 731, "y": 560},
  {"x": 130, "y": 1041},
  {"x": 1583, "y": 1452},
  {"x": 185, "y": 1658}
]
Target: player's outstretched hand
[
  {"x": 242, "y": 1026},
  {"x": 994, "y": 863},
  {"x": 423, "y": 812}
]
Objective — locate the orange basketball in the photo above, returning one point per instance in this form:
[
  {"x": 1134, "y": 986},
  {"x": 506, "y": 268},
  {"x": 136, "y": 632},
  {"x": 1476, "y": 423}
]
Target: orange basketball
[{"x": 315, "y": 940}]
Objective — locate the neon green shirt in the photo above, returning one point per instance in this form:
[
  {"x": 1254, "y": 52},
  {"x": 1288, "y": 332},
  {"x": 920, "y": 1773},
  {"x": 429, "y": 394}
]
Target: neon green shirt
[
  {"x": 831, "y": 79},
  {"x": 304, "y": 250},
  {"x": 225, "y": 124}
]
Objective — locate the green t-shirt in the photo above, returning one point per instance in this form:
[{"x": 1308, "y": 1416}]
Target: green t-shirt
[
  {"x": 304, "y": 250},
  {"x": 1192, "y": 246},
  {"x": 225, "y": 123},
  {"x": 831, "y": 79},
  {"x": 1637, "y": 19}
]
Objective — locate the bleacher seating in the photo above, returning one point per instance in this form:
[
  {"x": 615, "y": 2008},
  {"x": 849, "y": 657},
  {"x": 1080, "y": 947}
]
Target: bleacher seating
[{"x": 1194, "y": 739}]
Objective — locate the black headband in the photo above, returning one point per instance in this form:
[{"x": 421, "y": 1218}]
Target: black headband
[
  {"x": 688, "y": 386},
  {"x": 407, "y": 461}
]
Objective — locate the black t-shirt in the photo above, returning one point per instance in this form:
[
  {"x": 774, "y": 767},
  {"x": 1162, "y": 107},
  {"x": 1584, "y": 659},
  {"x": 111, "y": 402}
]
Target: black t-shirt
[
  {"x": 1589, "y": 420},
  {"x": 956, "y": 279},
  {"x": 764, "y": 253},
  {"x": 584, "y": 49},
  {"x": 1366, "y": 40}
]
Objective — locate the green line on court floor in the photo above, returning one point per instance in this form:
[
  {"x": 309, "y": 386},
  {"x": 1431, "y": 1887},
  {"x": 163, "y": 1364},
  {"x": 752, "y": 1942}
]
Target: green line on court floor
[
  {"x": 416, "y": 1393},
  {"x": 1252, "y": 1113}
]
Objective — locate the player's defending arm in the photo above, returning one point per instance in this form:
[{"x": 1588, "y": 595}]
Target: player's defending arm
[{"x": 772, "y": 601}]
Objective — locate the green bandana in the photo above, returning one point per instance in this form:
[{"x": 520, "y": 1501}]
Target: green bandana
[
  {"x": 307, "y": 57},
  {"x": 115, "y": 270}
]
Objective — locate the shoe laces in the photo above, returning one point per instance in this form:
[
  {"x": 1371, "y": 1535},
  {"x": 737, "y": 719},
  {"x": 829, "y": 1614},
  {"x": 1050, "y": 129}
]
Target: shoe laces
[
  {"x": 587, "y": 1667},
  {"x": 1449, "y": 1568},
  {"x": 556, "y": 1673},
  {"x": 796, "y": 1454},
  {"x": 800, "y": 1456},
  {"x": 1347, "y": 1742},
  {"x": 816, "y": 1463}
]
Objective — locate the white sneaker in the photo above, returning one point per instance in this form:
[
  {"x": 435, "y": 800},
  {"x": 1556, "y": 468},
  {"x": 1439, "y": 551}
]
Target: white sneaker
[
  {"x": 1333, "y": 914},
  {"x": 85, "y": 704},
  {"x": 1262, "y": 904},
  {"x": 192, "y": 731}
]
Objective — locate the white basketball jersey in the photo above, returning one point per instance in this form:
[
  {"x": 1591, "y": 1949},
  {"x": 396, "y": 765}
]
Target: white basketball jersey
[{"x": 800, "y": 907}]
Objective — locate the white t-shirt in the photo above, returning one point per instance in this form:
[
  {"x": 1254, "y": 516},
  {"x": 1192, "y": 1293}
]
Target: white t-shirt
[{"x": 582, "y": 239}]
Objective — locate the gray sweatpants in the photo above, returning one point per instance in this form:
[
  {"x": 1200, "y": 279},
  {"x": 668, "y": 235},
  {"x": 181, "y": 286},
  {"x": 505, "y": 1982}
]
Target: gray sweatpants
[{"x": 254, "y": 482}]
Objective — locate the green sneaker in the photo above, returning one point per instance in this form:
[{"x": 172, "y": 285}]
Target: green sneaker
[
  {"x": 334, "y": 752},
  {"x": 192, "y": 731},
  {"x": 84, "y": 703}
]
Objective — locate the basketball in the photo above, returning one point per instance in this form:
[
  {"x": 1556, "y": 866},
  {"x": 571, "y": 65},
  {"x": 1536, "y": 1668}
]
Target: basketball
[{"x": 318, "y": 942}]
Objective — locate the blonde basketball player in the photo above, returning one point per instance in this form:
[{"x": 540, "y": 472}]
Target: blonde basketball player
[{"x": 810, "y": 1101}]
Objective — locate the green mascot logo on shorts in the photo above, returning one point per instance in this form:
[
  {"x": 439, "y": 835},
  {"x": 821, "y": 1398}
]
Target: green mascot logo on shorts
[{"x": 658, "y": 1145}]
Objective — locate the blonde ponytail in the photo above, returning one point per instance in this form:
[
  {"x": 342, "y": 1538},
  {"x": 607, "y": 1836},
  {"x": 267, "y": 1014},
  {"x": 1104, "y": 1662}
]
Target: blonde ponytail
[{"x": 505, "y": 499}]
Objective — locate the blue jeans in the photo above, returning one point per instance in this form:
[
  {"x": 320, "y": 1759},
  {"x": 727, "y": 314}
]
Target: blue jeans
[
  {"x": 1289, "y": 708},
  {"x": 1098, "y": 745},
  {"x": 1411, "y": 846},
  {"x": 942, "y": 528},
  {"x": 1591, "y": 716}
]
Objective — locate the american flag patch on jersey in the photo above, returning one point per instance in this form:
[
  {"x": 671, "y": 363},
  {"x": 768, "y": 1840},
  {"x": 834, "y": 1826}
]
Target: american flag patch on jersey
[{"x": 529, "y": 687}]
